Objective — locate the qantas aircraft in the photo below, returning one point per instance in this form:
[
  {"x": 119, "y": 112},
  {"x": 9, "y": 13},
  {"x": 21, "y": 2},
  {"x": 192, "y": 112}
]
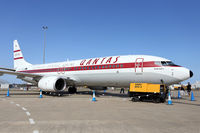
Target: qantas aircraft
[{"x": 97, "y": 73}]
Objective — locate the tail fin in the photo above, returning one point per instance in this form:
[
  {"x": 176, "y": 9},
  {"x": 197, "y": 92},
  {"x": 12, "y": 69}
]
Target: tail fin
[{"x": 19, "y": 62}]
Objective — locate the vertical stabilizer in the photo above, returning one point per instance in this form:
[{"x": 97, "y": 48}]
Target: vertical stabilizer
[{"x": 19, "y": 62}]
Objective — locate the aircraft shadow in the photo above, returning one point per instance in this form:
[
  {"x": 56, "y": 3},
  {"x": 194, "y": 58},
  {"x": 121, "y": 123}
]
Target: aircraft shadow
[
  {"x": 89, "y": 93},
  {"x": 100, "y": 93},
  {"x": 66, "y": 93},
  {"x": 24, "y": 93}
]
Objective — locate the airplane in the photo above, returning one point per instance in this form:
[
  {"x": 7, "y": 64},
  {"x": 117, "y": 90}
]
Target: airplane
[{"x": 97, "y": 73}]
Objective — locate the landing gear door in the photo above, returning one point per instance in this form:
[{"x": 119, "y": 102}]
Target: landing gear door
[{"x": 139, "y": 65}]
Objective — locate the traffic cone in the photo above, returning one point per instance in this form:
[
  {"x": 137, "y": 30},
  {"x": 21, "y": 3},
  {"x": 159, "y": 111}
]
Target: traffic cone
[
  {"x": 192, "y": 96},
  {"x": 93, "y": 98},
  {"x": 169, "y": 99},
  {"x": 8, "y": 93},
  {"x": 179, "y": 94},
  {"x": 41, "y": 94}
]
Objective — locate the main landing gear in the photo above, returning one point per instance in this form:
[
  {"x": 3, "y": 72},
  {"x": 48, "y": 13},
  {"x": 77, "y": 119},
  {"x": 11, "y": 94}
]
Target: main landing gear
[
  {"x": 50, "y": 93},
  {"x": 72, "y": 90}
]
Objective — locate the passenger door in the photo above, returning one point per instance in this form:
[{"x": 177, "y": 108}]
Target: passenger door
[{"x": 139, "y": 65}]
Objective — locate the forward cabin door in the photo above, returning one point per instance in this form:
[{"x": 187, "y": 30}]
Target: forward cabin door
[{"x": 139, "y": 65}]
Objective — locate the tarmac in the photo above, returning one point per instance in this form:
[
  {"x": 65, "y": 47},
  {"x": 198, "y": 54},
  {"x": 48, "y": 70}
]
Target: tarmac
[{"x": 25, "y": 112}]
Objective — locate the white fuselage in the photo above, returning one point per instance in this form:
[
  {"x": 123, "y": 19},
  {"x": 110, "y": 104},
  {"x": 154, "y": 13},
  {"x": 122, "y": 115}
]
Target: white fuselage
[{"x": 116, "y": 71}]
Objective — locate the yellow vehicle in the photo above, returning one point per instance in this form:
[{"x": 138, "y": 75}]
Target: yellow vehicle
[{"x": 147, "y": 91}]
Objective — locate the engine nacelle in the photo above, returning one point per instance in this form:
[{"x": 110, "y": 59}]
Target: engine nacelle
[{"x": 52, "y": 83}]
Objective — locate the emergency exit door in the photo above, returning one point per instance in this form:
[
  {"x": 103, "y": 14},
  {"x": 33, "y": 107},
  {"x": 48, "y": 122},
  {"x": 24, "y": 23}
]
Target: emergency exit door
[{"x": 139, "y": 65}]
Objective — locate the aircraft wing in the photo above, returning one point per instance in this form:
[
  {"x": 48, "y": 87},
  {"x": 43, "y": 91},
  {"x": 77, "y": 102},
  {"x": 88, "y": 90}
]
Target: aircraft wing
[
  {"x": 35, "y": 77},
  {"x": 8, "y": 69},
  {"x": 20, "y": 74}
]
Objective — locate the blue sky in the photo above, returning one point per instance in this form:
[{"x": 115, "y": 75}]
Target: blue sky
[{"x": 91, "y": 28}]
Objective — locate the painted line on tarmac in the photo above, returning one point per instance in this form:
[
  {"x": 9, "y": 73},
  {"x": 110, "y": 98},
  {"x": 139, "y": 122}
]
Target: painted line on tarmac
[
  {"x": 31, "y": 121},
  {"x": 24, "y": 108},
  {"x": 35, "y": 131},
  {"x": 28, "y": 114}
]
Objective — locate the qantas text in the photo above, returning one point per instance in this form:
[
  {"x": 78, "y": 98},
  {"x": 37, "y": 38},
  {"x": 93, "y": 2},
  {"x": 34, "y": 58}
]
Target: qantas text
[{"x": 104, "y": 60}]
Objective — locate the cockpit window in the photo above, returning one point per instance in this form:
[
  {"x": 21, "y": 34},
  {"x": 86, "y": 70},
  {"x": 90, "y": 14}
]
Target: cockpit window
[
  {"x": 168, "y": 63},
  {"x": 158, "y": 63}
]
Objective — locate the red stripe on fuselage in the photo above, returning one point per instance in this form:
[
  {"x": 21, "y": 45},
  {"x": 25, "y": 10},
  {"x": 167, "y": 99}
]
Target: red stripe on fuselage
[
  {"x": 96, "y": 67},
  {"x": 18, "y": 58},
  {"x": 17, "y": 51}
]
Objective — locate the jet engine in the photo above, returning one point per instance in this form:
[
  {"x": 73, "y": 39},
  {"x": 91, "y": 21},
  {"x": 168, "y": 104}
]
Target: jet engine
[{"x": 52, "y": 83}]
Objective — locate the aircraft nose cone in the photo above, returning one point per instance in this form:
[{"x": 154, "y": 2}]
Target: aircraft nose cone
[{"x": 191, "y": 73}]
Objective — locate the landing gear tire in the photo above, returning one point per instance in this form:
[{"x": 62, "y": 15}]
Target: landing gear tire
[
  {"x": 72, "y": 90},
  {"x": 60, "y": 94},
  {"x": 162, "y": 100},
  {"x": 45, "y": 92},
  {"x": 156, "y": 100},
  {"x": 134, "y": 99}
]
